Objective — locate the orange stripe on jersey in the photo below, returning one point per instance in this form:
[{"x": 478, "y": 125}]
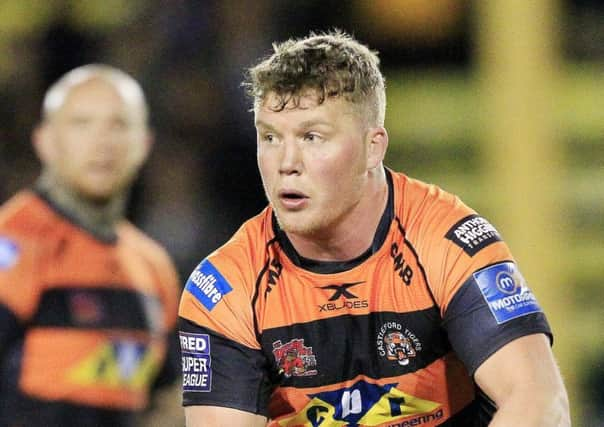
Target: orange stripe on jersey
[{"x": 95, "y": 368}]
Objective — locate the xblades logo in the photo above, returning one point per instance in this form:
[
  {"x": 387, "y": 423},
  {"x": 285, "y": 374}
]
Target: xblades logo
[{"x": 341, "y": 290}]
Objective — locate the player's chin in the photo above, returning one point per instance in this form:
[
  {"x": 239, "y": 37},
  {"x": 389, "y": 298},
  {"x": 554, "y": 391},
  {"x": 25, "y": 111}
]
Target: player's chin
[
  {"x": 301, "y": 223},
  {"x": 101, "y": 192}
]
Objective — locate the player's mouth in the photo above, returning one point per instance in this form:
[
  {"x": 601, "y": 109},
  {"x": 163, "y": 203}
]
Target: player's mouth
[
  {"x": 104, "y": 165},
  {"x": 292, "y": 200}
]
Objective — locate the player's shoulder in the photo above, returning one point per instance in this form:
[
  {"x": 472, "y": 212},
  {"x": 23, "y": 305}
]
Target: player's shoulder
[
  {"x": 27, "y": 220},
  {"x": 416, "y": 200},
  {"x": 430, "y": 215},
  {"x": 26, "y": 213},
  {"x": 30, "y": 232},
  {"x": 239, "y": 260},
  {"x": 226, "y": 278},
  {"x": 434, "y": 218},
  {"x": 136, "y": 239},
  {"x": 248, "y": 244}
]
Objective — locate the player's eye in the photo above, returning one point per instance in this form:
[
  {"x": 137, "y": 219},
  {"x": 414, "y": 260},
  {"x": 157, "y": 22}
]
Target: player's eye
[
  {"x": 79, "y": 121},
  {"x": 120, "y": 124},
  {"x": 267, "y": 137},
  {"x": 312, "y": 137}
]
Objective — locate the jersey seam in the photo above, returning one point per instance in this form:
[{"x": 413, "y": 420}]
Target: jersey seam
[
  {"x": 257, "y": 291},
  {"x": 419, "y": 263}
]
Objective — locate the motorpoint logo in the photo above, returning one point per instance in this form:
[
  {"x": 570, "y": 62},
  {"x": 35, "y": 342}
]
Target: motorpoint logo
[
  {"x": 506, "y": 282},
  {"x": 506, "y": 292}
]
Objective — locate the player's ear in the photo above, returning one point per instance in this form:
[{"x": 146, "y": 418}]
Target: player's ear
[
  {"x": 149, "y": 142},
  {"x": 141, "y": 148},
  {"x": 377, "y": 143},
  {"x": 41, "y": 140}
]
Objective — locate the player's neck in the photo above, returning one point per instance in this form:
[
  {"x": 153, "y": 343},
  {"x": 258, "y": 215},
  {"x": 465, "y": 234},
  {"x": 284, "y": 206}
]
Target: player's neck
[
  {"x": 98, "y": 217},
  {"x": 354, "y": 234}
]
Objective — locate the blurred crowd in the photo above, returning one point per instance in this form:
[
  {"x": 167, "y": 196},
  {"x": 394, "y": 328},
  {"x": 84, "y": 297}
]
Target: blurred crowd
[{"x": 190, "y": 57}]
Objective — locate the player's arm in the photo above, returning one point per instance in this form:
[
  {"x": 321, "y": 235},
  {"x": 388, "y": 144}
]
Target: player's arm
[
  {"x": 524, "y": 382},
  {"x": 495, "y": 324},
  {"x": 18, "y": 292},
  {"x": 216, "y": 416},
  {"x": 226, "y": 376},
  {"x": 506, "y": 347},
  {"x": 224, "y": 382}
]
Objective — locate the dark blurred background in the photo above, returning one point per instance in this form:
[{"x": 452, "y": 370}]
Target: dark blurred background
[{"x": 499, "y": 102}]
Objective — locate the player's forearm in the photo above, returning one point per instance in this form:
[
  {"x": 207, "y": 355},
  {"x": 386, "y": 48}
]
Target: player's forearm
[
  {"x": 215, "y": 416},
  {"x": 527, "y": 407}
]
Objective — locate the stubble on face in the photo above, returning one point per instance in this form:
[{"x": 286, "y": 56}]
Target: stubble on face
[
  {"x": 320, "y": 221},
  {"x": 332, "y": 180}
]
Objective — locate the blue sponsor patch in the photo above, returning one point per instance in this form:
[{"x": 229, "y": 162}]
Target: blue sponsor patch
[
  {"x": 9, "y": 253},
  {"x": 208, "y": 285},
  {"x": 196, "y": 362},
  {"x": 505, "y": 291}
]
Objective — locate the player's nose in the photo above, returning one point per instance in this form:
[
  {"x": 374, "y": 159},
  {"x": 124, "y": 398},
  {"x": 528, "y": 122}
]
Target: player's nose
[{"x": 290, "y": 161}]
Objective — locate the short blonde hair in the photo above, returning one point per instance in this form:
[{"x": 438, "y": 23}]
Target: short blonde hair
[{"x": 331, "y": 64}]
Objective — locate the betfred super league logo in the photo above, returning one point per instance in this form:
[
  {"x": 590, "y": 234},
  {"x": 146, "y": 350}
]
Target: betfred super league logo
[{"x": 294, "y": 358}]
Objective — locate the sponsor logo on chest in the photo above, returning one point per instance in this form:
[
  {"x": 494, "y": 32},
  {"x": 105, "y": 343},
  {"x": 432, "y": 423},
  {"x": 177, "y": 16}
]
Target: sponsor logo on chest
[
  {"x": 366, "y": 404},
  {"x": 401, "y": 265},
  {"x": 342, "y": 297},
  {"x": 397, "y": 343},
  {"x": 294, "y": 358}
]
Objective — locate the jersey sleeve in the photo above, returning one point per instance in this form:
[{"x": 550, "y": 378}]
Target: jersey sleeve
[
  {"x": 222, "y": 364},
  {"x": 484, "y": 300},
  {"x": 19, "y": 292},
  {"x": 492, "y": 308}
]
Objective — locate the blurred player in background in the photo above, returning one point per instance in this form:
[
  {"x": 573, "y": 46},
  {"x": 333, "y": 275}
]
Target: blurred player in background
[
  {"x": 360, "y": 296},
  {"x": 87, "y": 301}
]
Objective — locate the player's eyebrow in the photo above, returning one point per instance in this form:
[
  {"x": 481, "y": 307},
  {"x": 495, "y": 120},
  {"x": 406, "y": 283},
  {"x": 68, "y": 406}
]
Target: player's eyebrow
[
  {"x": 265, "y": 126},
  {"x": 315, "y": 122}
]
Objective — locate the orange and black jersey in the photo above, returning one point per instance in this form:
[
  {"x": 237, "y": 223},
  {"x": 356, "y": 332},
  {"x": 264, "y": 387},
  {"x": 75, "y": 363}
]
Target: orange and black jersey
[
  {"x": 391, "y": 338},
  {"x": 84, "y": 321}
]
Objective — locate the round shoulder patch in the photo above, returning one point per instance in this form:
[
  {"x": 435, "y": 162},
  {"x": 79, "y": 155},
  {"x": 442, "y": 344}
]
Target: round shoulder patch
[{"x": 9, "y": 253}]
